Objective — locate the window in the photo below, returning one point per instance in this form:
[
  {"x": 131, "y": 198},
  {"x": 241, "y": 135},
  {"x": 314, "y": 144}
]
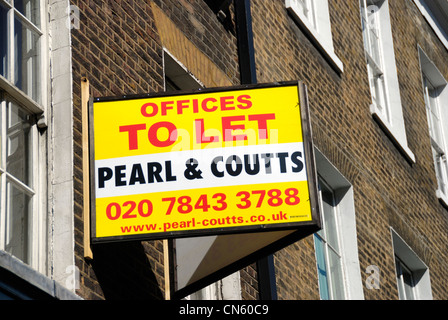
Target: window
[
  {"x": 16, "y": 181},
  {"x": 405, "y": 280},
  {"x": 22, "y": 88},
  {"x": 433, "y": 113},
  {"x": 436, "y": 133},
  {"x": 328, "y": 252},
  {"x": 435, "y": 91},
  {"x": 386, "y": 105},
  {"x": 313, "y": 16},
  {"x": 20, "y": 45},
  {"x": 372, "y": 46},
  {"x": 336, "y": 244},
  {"x": 413, "y": 280}
]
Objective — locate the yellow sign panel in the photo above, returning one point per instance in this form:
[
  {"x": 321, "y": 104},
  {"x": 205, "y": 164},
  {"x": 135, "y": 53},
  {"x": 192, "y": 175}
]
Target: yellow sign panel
[{"x": 212, "y": 161}]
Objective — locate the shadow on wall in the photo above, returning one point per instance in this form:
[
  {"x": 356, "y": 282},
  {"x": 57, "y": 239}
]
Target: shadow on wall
[{"x": 124, "y": 272}]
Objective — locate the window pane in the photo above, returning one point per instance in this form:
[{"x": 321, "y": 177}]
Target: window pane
[
  {"x": 321, "y": 268},
  {"x": 405, "y": 281},
  {"x": 436, "y": 132},
  {"x": 408, "y": 285},
  {"x": 441, "y": 167},
  {"x": 432, "y": 109},
  {"x": 304, "y": 6},
  {"x": 18, "y": 144},
  {"x": 374, "y": 49},
  {"x": 337, "y": 281},
  {"x": 377, "y": 88},
  {"x": 17, "y": 214},
  {"x": 379, "y": 93},
  {"x": 369, "y": 20},
  {"x": 26, "y": 62},
  {"x": 401, "y": 293},
  {"x": 444, "y": 165},
  {"x": 30, "y": 9},
  {"x": 3, "y": 41},
  {"x": 330, "y": 217},
  {"x": 365, "y": 34},
  {"x": 373, "y": 83}
]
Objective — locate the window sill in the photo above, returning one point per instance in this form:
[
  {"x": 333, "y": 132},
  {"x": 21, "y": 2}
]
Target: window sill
[
  {"x": 33, "y": 279},
  {"x": 390, "y": 132},
  {"x": 442, "y": 198},
  {"x": 18, "y": 95},
  {"x": 317, "y": 40}
]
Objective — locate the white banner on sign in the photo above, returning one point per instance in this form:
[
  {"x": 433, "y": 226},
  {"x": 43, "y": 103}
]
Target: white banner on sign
[{"x": 195, "y": 169}]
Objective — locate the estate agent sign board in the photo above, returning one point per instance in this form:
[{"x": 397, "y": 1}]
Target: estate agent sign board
[{"x": 209, "y": 162}]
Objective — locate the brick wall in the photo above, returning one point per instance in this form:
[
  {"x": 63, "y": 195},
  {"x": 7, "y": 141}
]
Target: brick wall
[
  {"x": 388, "y": 190},
  {"x": 199, "y": 24},
  {"x": 119, "y": 47},
  {"x": 423, "y": 221}
]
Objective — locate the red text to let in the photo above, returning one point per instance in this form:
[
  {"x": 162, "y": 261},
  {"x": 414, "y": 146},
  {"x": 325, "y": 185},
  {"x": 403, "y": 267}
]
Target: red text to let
[{"x": 228, "y": 124}]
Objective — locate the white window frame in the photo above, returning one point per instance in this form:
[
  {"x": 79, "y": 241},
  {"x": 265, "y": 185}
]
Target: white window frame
[
  {"x": 37, "y": 246},
  {"x": 374, "y": 56},
  {"x": 439, "y": 87},
  {"x": 327, "y": 247},
  {"x": 346, "y": 221},
  {"x": 30, "y": 189},
  {"x": 421, "y": 282},
  {"x": 308, "y": 10},
  {"x": 390, "y": 114},
  {"x": 25, "y": 100},
  {"x": 317, "y": 26}
]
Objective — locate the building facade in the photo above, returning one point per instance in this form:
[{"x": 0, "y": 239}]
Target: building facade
[{"x": 375, "y": 72}]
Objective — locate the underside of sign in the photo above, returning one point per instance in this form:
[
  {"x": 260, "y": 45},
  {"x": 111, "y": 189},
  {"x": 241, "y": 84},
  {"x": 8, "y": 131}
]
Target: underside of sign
[{"x": 202, "y": 261}]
